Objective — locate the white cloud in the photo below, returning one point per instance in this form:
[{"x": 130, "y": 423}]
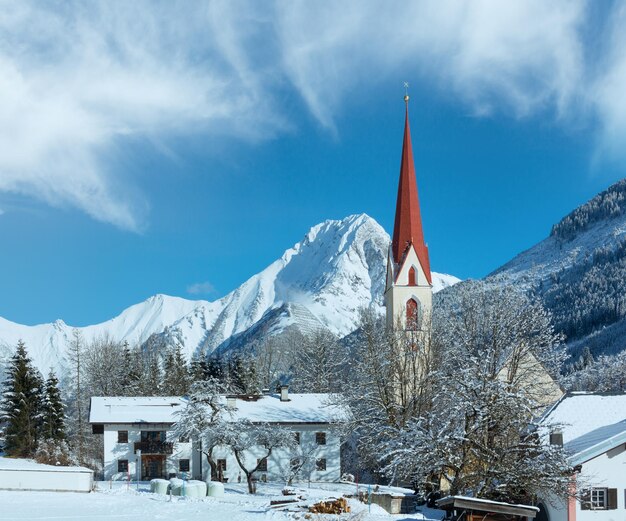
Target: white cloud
[
  {"x": 201, "y": 288},
  {"x": 608, "y": 90},
  {"x": 77, "y": 80},
  {"x": 524, "y": 54}
]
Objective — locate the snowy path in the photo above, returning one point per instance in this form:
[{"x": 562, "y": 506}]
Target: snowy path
[{"x": 122, "y": 503}]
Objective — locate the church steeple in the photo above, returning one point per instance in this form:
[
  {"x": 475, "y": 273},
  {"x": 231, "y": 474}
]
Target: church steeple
[{"x": 407, "y": 229}]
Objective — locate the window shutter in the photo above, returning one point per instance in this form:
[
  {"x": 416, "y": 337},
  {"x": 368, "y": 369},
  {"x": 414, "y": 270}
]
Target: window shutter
[
  {"x": 585, "y": 500},
  {"x": 612, "y": 499}
]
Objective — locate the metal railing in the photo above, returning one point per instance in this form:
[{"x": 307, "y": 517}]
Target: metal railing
[{"x": 154, "y": 447}]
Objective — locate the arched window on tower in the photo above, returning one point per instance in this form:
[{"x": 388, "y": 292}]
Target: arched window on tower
[
  {"x": 412, "y": 315},
  {"x": 412, "y": 276}
]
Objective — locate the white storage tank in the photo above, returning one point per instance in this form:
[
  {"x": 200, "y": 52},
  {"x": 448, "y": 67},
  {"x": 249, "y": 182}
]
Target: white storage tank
[
  {"x": 160, "y": 486},
  {"x": 215, "y": 489},
  {"x": 194, "y": 488}
]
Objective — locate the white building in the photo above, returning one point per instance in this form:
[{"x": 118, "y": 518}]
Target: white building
[
  {"x": 138, "y": 443},
  {"x": 592, "y": 429}
]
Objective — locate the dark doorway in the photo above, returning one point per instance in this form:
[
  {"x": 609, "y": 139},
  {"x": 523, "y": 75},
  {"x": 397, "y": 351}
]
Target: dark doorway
[{"x": 152, "y": 467}]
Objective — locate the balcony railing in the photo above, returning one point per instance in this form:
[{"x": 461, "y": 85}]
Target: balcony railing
[{"x": 154, "y": 447}]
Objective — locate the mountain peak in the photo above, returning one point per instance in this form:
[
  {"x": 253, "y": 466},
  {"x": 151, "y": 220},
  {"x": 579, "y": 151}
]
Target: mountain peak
[{"x": 322, "y": 281}]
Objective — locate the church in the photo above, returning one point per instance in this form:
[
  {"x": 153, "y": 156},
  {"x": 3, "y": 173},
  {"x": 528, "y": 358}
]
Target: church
[{"x": 408, "y": 288}]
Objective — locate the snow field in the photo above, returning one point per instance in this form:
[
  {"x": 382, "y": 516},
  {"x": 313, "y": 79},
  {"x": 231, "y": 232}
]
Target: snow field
[{"x": 123, "y": 502}]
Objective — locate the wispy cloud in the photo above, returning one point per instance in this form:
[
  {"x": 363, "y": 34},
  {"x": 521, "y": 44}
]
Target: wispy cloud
[
  {"x": 78, "y": 80},
  {"x": 201, "y": 288}
]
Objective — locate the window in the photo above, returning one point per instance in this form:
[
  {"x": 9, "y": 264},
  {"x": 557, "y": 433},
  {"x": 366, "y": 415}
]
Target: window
[
  {"x": 122, "y": 436},
  {"x": 294, "y": 463},
  {"x": 599, "y": 499},
  {"x": 183, "y": 440},
  {"x": 221, "y": 464},
  {"x": 320, "y": 438},
  {"x": 183, "y": 465},
  {"x": 320, "y": 464},
  {"x": 262, "y": 465},
  {"x": 412, "y": 314},
  {"x": 296, "y": 436},
  {"x": 122, "y": 465},
  {"x": 412, "y": 276}
]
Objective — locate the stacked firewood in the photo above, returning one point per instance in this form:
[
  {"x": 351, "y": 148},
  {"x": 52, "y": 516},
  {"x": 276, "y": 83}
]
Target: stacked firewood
[{"x": 330, "y": 506}]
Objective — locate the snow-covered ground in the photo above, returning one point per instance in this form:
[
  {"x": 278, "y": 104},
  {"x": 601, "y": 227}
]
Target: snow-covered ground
[{"x": 123, "y": 502}]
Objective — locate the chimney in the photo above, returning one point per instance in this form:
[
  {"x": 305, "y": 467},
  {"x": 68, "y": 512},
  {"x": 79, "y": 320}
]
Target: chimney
[
  {"x": 284, "y": 393},
  {"x": 231, "y": 402},
  {"x": 556, "y": 438}
]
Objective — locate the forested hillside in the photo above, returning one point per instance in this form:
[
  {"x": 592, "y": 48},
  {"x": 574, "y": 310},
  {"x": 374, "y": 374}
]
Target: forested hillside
[{"x": 579, "y": 272}]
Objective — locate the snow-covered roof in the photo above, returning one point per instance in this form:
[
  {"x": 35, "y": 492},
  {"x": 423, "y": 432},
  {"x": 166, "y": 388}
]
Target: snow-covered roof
[
  {"x": 596, "y": 442},
  {"x": 135, "y": 409},
  {"x": 301, "y": 408},
  {"x": 486, "y": 505},
  {"x": 591, "y": 423},
  {"x": 579, "y": 413},
  {"x": 29, "y": 464}
]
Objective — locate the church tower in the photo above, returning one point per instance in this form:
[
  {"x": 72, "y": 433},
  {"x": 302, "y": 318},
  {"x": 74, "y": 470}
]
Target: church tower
[{"x": 408, "y": 290}]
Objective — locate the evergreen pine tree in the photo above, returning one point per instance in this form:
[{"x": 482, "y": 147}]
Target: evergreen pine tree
[
  {"x": 242, "y": 373},
  {"x": 176, "y": 378},
  {"x": 198, "y": 369},
  {"x": 53, "y": 412},
  {"x": 131, "y": 377},
  {"x": 151, "y": 380},
  {"x": 21, "y": 405}
]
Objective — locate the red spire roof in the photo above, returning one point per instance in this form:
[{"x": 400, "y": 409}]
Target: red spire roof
[{"x": 408, "y": 226}]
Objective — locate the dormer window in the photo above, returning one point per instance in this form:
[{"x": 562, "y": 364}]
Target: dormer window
[{"x": 412, "y": 276}]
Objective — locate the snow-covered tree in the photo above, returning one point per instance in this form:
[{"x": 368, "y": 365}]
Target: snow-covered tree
[
  {"x": 21, "y": 405},
  {"x": 317, "y": 363},
  {"x": 131, "y": 375},
  {"x": 176, "y": 379},
  {"x": 478, "y": 436},
  {"x": 203, "y": 420},
  {"x": 275, "y": 358},
  {"x": 385, "y": 383},
  {"x": 253, "y": 443},
  {"x": 53, "y": 411},
  {"x": 102, "y": 367},
  {"x": 242, "y": 374},
  {"x": 76, "y": 396},
  {"x": 606, "y": 374}
]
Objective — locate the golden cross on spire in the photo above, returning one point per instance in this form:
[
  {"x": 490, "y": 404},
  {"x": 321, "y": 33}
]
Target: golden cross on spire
[{"x": 406, "y": 91}]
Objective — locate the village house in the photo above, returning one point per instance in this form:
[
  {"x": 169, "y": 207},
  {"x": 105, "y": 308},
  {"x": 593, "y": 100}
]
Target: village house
[
  {"x": 138, "y": 443},
  {"x": 592, "y": 429}
]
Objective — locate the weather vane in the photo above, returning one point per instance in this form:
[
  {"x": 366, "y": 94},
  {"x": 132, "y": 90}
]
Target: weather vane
[{"x": 406, "y": 91}]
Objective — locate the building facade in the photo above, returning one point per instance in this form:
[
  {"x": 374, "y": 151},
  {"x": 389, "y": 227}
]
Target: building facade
[{"x": 139, "y": 444}]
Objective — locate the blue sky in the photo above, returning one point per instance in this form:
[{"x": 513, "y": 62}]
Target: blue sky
[{"x": 179, "y": 148}]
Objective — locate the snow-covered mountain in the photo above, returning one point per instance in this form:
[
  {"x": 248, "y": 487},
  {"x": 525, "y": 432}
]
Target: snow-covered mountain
[
  {"x": 580, "y": 273},
  {"x": 322, "y": 281}
]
